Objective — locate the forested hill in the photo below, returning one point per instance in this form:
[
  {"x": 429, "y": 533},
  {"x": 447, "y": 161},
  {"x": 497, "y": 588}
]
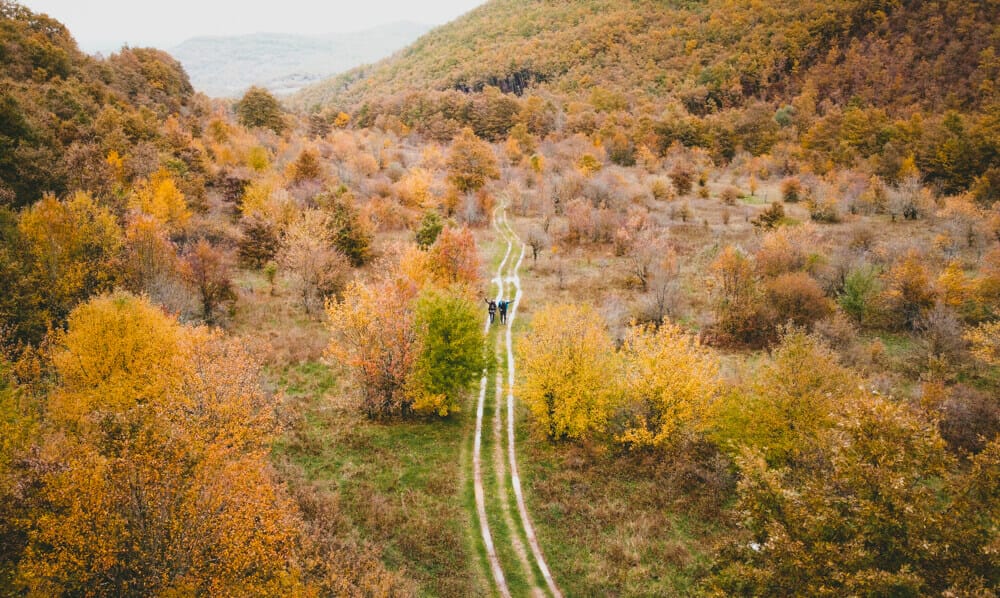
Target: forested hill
[
  {"x": 876, "y": 63},
  {"x": 709, "y": 55},
  {"x": 62, "y": 113}
]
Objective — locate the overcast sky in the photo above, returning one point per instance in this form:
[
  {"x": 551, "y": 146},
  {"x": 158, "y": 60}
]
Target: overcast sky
[{"x": 105, "y": 25}]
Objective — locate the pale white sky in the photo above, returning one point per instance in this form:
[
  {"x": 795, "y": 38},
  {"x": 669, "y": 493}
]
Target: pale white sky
[{"x": 105, "y": 25}]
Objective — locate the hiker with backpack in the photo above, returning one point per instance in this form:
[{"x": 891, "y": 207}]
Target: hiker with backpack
[{"x": 492, "y": 308}]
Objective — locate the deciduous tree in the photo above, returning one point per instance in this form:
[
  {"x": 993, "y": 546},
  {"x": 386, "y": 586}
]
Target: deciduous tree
[
  {"x": 372, "y": 333},
  {"x": 454, "y": 257},
  {"x": 450, "y": 358},
  {"x": 316, "y": 268},
  {"x": 669, "y": 384},
  {"x": 206, "y": 270},
  {"x": 258, "y": 108},
  {"x": 471, "y": 162},
  {"x": 569, "y": 368}
]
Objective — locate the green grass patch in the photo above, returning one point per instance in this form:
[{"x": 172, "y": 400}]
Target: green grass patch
[
  {"x": 400, "y": 483},
  {"x": 607, "y": 527}
]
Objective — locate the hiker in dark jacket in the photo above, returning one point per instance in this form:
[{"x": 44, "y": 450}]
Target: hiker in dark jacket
[
  {"x": 503, "y": 305},
  {"x": 492, "y": 308}
]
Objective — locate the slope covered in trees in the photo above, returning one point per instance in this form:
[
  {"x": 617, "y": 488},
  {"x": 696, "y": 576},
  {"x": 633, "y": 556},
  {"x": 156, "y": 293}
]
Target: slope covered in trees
[
  {"x": 849, "y": 80},
  {"x": 62, "y": 113},
  {"x": 237, "y": 343},
  {"x": 713, "y": 54}
]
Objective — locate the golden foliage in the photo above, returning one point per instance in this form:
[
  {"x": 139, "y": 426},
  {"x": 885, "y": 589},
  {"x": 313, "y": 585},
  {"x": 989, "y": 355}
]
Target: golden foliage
[
  {"x": 568, "y": 370},
  {"x": 72, "y": 244},
  {"x": 471, "y": 162},
  {"x": 669, "y": 384},
  {"x": 985, "y": 342},
  {"x": 161, "y": 435},
  {"x": 791, "y": 399},
  {"x": 160, "y": 198}
]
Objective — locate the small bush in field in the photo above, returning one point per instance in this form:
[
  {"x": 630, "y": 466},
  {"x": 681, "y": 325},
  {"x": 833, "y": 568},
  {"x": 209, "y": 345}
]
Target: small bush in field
[
  {"x": 661, "y": 189},
  {"x": 771, "y": 217},
  {"x": 430, "y": 227},
  {"x": 682, "y": 178},
  {"x": 798, "y": 298},
  {"x": 730, "y": 195},
  {"x": 824, "y": 210},
  {"x": 791, "y": 190}
]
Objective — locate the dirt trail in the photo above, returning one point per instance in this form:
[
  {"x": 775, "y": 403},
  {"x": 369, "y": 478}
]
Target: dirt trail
[
  {"x": 477, "y": 463},
  {"x": 522, "y": 508},
  {"x": 506, "y": 472}
]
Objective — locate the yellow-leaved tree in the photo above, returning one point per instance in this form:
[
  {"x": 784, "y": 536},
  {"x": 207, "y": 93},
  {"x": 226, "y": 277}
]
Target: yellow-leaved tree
[
  {"x": 159, "y": 197},
  {"x": 568, "y": 368},
  {"x": 158, "y": 480},
  {"x": 670, "y": 381},
  {"x": 73, "y": 246},
  {"x": 985, "y": 341}
]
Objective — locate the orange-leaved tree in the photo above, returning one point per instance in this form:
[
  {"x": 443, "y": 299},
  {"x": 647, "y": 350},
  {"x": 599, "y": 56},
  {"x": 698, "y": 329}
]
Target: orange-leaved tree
[
  {"x": 737, "y": 296},
  {"x": 373, "y": 333},
  {"x": 471, "y": 162},
  {"x": 159, "y": 480},
  {"x": 454, "y": 257}
]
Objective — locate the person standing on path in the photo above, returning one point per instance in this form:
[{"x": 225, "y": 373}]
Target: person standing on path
[
  {"x": 503, "y": 305},
  {"x": 492, "y": 308}
]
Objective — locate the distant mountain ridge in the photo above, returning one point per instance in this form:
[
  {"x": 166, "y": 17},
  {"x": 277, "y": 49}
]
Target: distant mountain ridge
[{"x": 225, "y": 66}]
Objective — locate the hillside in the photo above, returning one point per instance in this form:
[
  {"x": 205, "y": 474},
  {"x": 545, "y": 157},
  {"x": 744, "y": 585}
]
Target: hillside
[
  {"x": 62, "y": 112},
  {"x": 284, "y": 63},
  {"x": 712, "y": 54},
  {"x": 712, "y": 74},
  {"x": 581, "y": 298}
]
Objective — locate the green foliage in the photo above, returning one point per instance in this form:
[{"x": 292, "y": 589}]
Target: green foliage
[
  {"x": 875, "y": 515},
  {"x": 258, "y": 108},
  {"x": 347, "y": 231},
  {"x": 430, "y": 227},
  {"x": 859, "y": 297},
  {"x": 450, "y": 358}
]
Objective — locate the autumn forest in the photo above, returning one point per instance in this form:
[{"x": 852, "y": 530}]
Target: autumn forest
[{"x": 590, "y": 298}]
